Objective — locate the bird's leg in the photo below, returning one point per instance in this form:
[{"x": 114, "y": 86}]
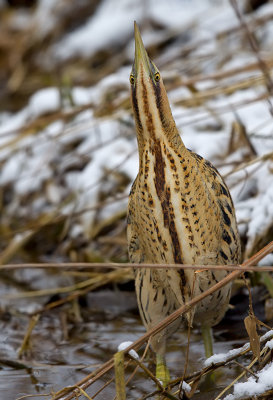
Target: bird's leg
[
  {"x": 212, "y": 378},
  {"x": 162, "y": 372},
  {"x": 207, "y": 339}
]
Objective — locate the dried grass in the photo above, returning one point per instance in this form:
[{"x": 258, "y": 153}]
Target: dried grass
[
  {"x": 90, "y": 379},
  {"x": 107, "y": 241}
]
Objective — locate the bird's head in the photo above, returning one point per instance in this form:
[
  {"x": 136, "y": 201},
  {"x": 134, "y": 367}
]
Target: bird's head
[
  {"x": 150, "y": 103},
  {"x": 143, "y": 70}
]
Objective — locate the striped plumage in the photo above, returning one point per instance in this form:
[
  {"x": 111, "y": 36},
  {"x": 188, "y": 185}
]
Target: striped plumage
[{"x": 180, "y": 211}]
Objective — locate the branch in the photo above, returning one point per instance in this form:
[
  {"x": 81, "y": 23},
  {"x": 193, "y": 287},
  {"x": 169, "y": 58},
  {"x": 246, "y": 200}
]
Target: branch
[
  {"x": 255, "y": 48},
  {"x": 82, "y": 266}
]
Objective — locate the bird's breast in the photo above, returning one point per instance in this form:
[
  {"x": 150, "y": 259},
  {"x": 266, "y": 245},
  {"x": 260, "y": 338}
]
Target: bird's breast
[
  {"x": 180, "y": 215},
  {"x": 167, "y": 233}
]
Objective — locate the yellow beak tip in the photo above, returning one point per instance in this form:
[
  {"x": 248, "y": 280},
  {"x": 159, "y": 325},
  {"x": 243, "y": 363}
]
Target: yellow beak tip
[{"x": 141, "y": 56}]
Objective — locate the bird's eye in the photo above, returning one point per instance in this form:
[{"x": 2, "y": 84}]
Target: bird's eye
[
  {"x": 157, "y": 76},
  {"x": 132, "y": 79}
]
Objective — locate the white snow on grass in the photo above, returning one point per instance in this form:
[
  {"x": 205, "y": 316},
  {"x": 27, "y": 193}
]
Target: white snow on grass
[
  {"x": 76, "y": 156},
  {"x": 252, "y": 387},
  {"x": 269, "y": 344},
  {"x": 54, "y": 129},
  {"x": 44, "y": 101},
  {"x": 262, "y": 213},
  {"x": 186, "y": 387},
  {"x": 10, "y": 123},
  {"x": 172, "y": 15},
  {"x": 123, "y": 346},
  {"x": 111, "y": 24},
  {"x": 267, "y": 335},
  {"x": 223, "y": 357}
]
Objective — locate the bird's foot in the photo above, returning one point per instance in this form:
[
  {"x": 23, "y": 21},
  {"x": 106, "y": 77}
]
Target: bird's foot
[
  {"x": 162, "y": 372},
  {"x": 207, "y": 339}
]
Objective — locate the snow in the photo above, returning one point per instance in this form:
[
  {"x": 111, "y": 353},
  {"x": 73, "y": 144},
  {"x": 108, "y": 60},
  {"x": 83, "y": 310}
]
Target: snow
[
  {"x": 267, "y": 335},
  {"x": 265, "y": 10},
  {"x": 223, "y": 357},
  {"x": 45, "y": 17},
  {"x": 269, "y": 344},
  {"x": 252, "y": 387},
  {"x": 173, "y": 15},
  {"x": 186, "y": 387},
  {"x": 76, "y": 156},
  {"x": 44, "y": 101},
  {"x": 54, "y": 129},
  {"x": 10, "y": 124},
  {"x": 90, "y": 178},
  {"x": 34, "y": 174},
  {"x": 81, "y": 96},
  {"x": 12, "y": 168},
  {"x": 123, "y": 346},
  {"x": 262, "y": 215},
  {"x": 112, "y": 22},
  {"x": 267, "y": 260}
]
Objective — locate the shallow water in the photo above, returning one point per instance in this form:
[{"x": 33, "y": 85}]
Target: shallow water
[{"x": 63, "y": 351}]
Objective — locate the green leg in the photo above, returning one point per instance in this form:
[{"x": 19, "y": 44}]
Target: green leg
[
  {"x": 162, "y": 372},
  {"x": 213, "y": 377},
  {"x": 207, "y": 339}
]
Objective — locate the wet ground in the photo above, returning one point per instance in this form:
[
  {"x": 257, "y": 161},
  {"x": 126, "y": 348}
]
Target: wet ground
[{"x": 62, "y": 351}]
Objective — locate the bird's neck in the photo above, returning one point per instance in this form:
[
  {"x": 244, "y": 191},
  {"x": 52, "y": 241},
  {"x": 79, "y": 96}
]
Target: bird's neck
[
  {"x": 157, "y": 134},
  {"x": 155, "y": 125}
]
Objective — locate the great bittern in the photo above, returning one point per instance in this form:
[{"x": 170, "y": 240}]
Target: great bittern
[{"x": 180, "y": 211}]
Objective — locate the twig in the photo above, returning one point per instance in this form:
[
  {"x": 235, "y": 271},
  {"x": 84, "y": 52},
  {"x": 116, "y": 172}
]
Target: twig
[
  {"x": 29, "y": 396},
  {"x": 56, "y": 216},
  {"x": 26, "y": 339},
  {"x": 103, "y": 387},
  {"x": 218, "y": 75},
  {"x": 264, "y": 157},
  {"x": 248, "y": 371},
  {"x": 255, "y": 48},
  {"x": 141, "y": 360},
  {"x": 206, "y": 370},
  {"x": 80, "y": 265},
  {"x": 241, "y": 375},
  {"x": 219, "y": 109},
  {"x": 89, "y": 284}
]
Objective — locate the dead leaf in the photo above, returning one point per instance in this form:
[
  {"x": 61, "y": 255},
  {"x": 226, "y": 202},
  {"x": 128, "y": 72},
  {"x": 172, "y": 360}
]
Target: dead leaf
[{"x": 251, "y": 327}]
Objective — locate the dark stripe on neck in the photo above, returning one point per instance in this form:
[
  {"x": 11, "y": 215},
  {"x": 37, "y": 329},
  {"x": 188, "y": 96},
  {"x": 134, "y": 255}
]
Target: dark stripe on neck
[
  {"x": 166, "y": 125},
  {"x": 163, "y": 193},
  {"x": 136, "y": 109}
]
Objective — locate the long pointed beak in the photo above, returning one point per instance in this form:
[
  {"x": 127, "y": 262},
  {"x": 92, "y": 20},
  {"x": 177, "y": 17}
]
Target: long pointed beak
[{"x": 141, "y": 56}]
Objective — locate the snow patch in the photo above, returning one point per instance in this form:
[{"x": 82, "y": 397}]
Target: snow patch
[
  {"x": 269, "y": 344},
  {"x": 223, "y": 357},
  {"x": 44, "y": 101},
  {"x": 111, "y": 24},
  {"x": 252, "y": 387},
  {"x": 123, "y": 346},
  {"x": 186, "y": 387}
]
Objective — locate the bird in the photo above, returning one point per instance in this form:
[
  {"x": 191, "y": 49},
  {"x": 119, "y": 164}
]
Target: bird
[{"x": 179, "y": 211}]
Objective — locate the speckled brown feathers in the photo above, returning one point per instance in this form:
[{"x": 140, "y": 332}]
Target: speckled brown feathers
[{"x": 180, "y": 211}]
